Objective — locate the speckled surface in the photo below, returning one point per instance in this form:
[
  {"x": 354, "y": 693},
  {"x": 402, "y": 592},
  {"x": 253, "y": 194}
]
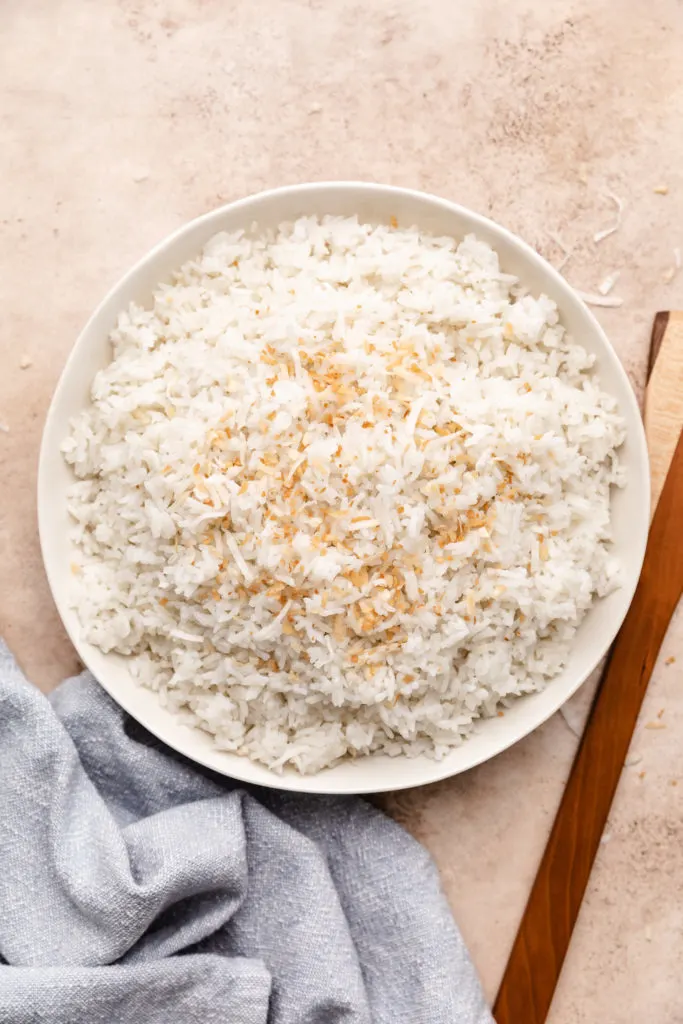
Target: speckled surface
[{"x": 121, "y": 120}]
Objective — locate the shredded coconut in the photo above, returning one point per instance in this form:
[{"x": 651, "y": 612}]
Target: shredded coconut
[
  {"x": 608, "y": 283},
  {"x": 671, "y": 272},
  {"x": 595, "y": 299},
  {"x": 600, "y": 236}
]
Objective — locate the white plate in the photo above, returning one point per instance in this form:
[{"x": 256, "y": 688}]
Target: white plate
[{"x": 374, "y": 203}]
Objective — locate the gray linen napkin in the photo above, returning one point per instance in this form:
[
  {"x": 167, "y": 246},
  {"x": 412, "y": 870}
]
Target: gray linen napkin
[{"x": 136, "y": 889}]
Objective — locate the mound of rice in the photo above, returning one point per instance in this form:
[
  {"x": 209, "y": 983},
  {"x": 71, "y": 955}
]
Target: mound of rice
[{"x": 342, "y": 489}]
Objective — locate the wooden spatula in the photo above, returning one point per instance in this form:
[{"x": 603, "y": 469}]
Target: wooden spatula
[{"x": 539, "y": 949}]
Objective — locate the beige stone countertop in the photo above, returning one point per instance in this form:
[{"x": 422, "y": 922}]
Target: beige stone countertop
[{"x": 121, "y": 119}]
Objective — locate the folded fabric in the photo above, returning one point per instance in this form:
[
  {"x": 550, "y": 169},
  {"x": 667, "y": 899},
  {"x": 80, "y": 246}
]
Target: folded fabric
[{"x": 137, "y": 889}]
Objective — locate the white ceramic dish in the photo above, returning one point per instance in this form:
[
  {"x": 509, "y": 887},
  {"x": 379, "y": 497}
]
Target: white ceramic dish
[{"x": 375, "y": 203}]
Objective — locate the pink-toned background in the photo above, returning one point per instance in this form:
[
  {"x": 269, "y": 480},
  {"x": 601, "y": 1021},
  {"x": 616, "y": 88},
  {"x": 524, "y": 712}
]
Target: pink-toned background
[{"x": 119, "y": 120}]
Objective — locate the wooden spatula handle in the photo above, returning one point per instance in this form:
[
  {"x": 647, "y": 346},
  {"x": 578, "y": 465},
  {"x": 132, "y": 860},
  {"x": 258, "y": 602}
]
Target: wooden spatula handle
[
  {"x": 664, "y": 396},
  {"x": 541, "y": 944}
]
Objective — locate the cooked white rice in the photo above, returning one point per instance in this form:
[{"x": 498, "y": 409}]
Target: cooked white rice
[{"x": 342, "y": 489}]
